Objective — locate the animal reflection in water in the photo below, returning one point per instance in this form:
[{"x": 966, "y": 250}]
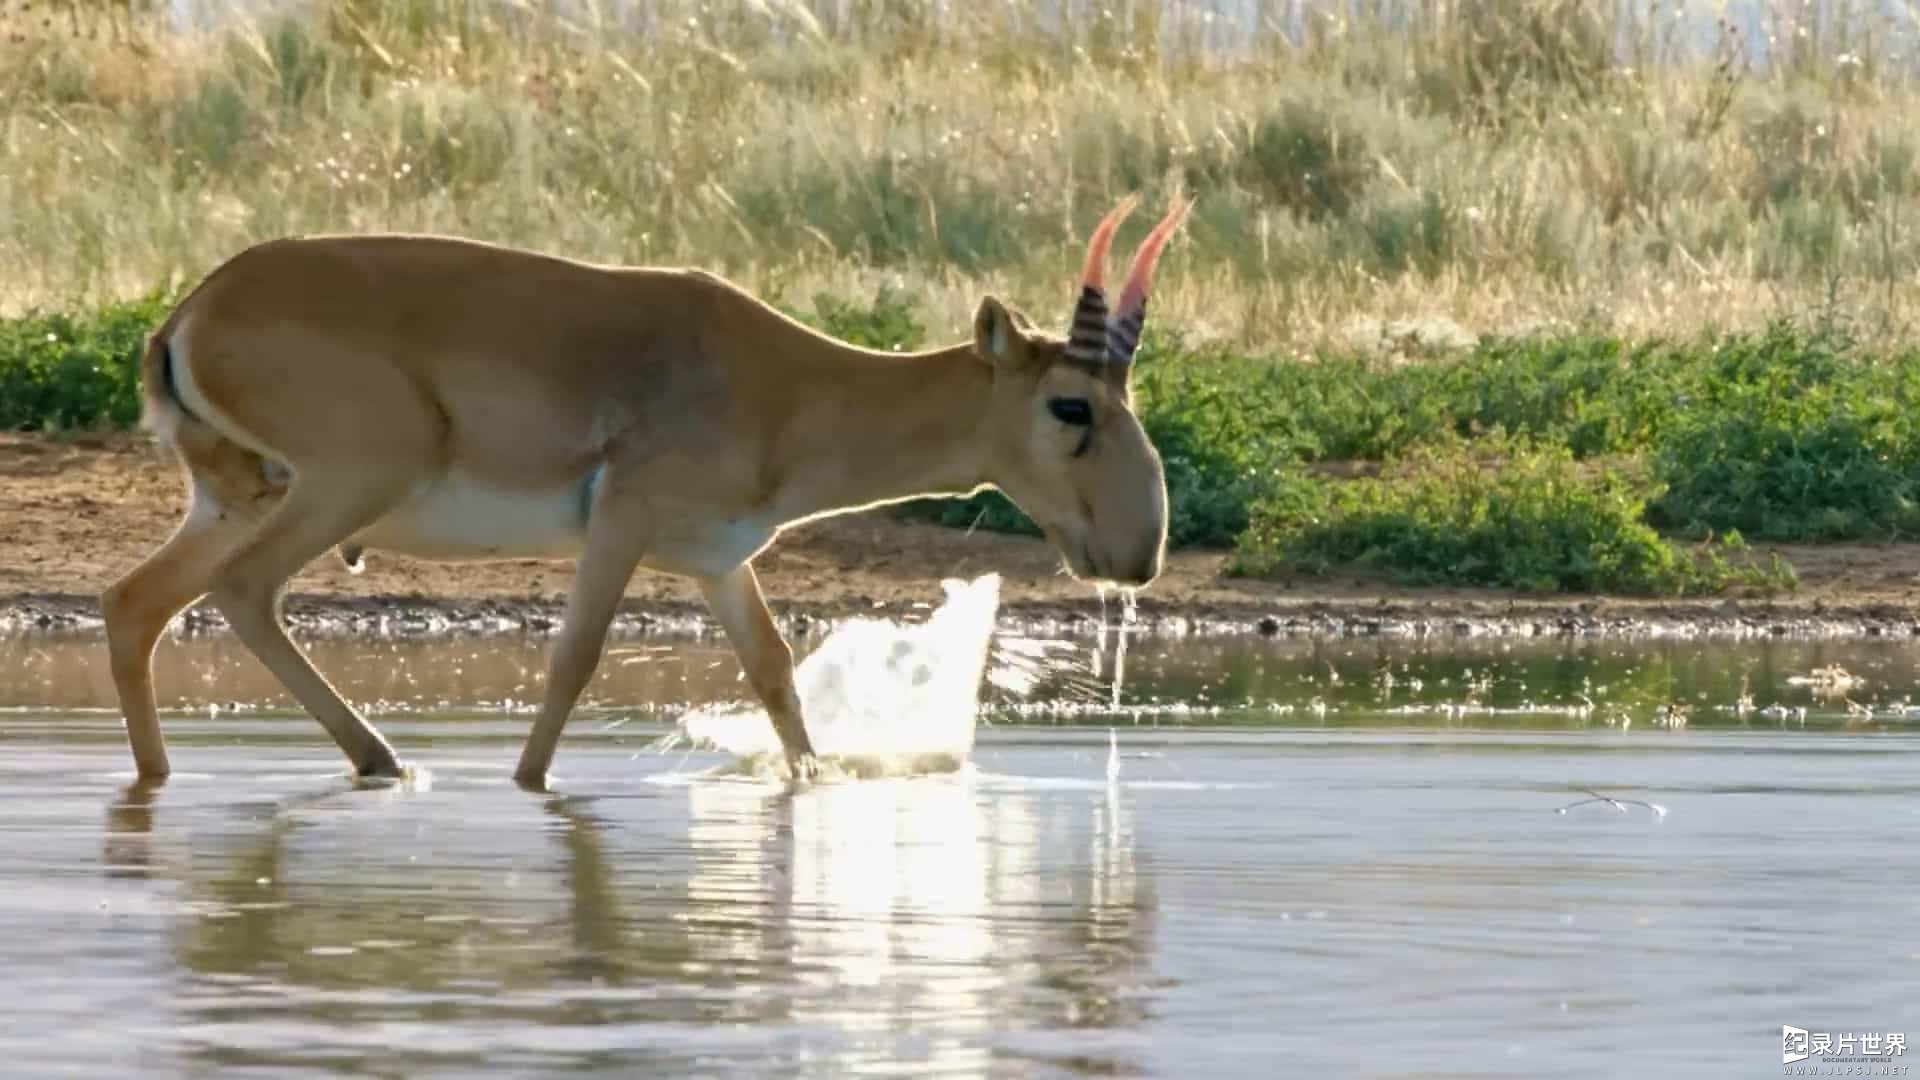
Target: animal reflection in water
[{"x": 452, "y": 925}]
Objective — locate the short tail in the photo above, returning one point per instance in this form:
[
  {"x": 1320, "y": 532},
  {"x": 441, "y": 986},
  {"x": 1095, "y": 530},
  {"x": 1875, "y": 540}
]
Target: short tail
[
  {"x": 160, "y": 409},
  {"x": 163, "y": 413}
]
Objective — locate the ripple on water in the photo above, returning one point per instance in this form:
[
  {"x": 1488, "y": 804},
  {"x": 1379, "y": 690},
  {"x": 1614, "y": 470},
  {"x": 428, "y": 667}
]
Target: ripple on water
[{"x": 1264, "y": 848}]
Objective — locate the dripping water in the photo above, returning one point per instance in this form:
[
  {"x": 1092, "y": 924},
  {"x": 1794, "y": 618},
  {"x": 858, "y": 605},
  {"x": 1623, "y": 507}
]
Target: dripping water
[
  {"x": 1129, "y": 617},
  {"x": 1100, "y": 632}
]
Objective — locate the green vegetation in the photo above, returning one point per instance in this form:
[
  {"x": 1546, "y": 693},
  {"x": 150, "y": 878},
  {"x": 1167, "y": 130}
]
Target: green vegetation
[
  {"x": 1792, "y": 439},
  {"x": 1524, "y": 518},
  {"x": 1520, "y": 292},
  {"x": 66, "y": 371},
  {"x": 1578, "y": 463}
]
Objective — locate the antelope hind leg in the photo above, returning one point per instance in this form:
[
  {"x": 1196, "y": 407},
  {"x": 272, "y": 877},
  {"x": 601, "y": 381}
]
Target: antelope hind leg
[
  {"x": 599, "y": 581},
  {"x": 319, "y": 511},
  {"x": 228, "y": 491},
  {"x": 138, "y": 607}
]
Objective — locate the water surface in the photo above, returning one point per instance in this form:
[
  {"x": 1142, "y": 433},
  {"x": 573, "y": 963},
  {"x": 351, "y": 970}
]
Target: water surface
[
  {"x": 1236, "y": 680},
  {"x": 1370, "y": 889}
]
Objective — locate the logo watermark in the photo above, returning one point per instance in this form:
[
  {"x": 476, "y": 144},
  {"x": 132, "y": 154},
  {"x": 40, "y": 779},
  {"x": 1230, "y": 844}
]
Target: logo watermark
[{"x": 1870, "y": 1053}]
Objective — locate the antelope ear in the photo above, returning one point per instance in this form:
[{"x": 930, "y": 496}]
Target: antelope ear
[{"x": 996, "y": 332}]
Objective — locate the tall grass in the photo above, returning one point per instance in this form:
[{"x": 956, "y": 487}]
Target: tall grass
[{"x": 1409, "y": 177}]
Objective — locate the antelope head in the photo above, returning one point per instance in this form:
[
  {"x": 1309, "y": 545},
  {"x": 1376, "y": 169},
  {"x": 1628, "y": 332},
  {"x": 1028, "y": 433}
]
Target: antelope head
[{"x": 1065, "y": 444}]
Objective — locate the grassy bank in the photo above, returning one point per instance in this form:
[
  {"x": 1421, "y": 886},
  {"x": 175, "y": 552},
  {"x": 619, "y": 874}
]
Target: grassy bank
[
  {"x": 1415, "y": 174},
  {"x": 1507, "y": 292},
  {"x": 1569, "y": 462}
]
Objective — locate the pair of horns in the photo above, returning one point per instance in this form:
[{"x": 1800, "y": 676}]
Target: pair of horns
[{"x": 1099, "y": 336}]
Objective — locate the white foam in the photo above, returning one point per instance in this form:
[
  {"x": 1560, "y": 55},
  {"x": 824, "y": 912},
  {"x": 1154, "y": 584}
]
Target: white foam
[{"x": 880, "y": 697}]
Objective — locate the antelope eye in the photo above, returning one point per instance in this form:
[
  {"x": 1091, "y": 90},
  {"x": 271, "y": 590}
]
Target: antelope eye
[{"x": 1071, "y": 410}]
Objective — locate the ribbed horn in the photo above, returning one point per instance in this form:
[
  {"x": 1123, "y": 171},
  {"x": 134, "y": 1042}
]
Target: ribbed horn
[
  {"x": 1130, "y": 314},
  {"x": 1087, "y": 338}
]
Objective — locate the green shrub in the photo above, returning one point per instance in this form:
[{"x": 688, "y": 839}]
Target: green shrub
[
  {"x": 1593, "y": 394},
  {"x": 1502, "y": 514},
  {"x": 1795, "y": 438},
  {"x": 890, "y": 322},
  {"x": 1217, "y": 422},
  {"x": 64, "y": 371}
]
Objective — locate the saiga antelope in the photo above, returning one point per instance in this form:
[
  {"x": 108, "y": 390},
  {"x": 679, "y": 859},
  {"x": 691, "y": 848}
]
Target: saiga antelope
[{"x": 452, "y": 400}]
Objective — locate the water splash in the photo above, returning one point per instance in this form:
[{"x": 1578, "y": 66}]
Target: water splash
[
  {"x": 1019, "y": 664},
  {"x": 883, "y": 698}
]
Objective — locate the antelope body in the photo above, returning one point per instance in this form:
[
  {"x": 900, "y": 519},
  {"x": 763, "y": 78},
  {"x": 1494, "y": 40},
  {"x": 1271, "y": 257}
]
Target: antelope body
[{"x": 452, "y": 400}]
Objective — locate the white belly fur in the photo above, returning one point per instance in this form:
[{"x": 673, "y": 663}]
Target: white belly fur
[
  {"x": 453, "y": 518},
  {"x": 456, "y": 518},
  {"x": 708, "y": 550}
]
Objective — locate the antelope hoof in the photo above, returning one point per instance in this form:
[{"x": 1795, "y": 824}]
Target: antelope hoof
[
  {"x": 805, "y": 767},
  {"x": 381, "y": 765}
]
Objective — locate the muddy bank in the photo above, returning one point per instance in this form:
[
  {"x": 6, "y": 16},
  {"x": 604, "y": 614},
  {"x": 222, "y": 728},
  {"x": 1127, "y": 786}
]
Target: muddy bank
[
  {"x": 74, "y": 514},
  {"x": 313, "y": 614}
]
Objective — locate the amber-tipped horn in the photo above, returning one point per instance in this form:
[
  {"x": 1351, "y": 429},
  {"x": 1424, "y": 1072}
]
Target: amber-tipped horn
[
  {"x": 1093, "y": 271},
  {"x": 1087, "y": 339},
  {"x": 1130, "y": 314}
]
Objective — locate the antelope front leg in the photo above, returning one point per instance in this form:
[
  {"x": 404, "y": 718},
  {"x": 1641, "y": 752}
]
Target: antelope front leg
[
  {"x": 736, "y": 601},
  {"x": 599, "y": 582}
]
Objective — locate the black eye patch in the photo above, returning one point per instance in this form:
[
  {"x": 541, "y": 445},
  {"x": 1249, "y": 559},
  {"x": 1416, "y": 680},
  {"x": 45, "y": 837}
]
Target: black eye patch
[{"x": 1071, "y": 410}]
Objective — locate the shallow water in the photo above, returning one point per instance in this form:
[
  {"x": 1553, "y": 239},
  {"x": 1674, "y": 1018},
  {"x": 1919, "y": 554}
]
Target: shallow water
[
  {"x": 1231, "y": 680},
  {"x": 1265, "y": 887}
]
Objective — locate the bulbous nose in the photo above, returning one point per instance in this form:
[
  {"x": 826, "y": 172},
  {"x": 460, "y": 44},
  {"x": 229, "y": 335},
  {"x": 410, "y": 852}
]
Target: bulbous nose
[
  {"x": 1141, "y": 574},
  {"x": 1132, "y": 571},
  {"x": 1147, "y": 571}
]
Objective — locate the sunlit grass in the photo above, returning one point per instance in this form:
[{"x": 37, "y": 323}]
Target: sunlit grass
[
  {"x": 1417, "y": 179},
  {"x": 1417, "y": 183}
]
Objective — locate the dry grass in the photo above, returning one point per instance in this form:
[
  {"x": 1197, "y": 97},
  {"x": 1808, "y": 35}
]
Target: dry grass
[{"x": 1490, "y": 170}]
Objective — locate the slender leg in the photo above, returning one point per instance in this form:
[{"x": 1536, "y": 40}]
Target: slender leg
[
  {"x": 599, "y": 581},
  {"x": 319, "y": 511},
  {"x": 736, "y": 601},
  {"x": 139, "y": 606}
]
